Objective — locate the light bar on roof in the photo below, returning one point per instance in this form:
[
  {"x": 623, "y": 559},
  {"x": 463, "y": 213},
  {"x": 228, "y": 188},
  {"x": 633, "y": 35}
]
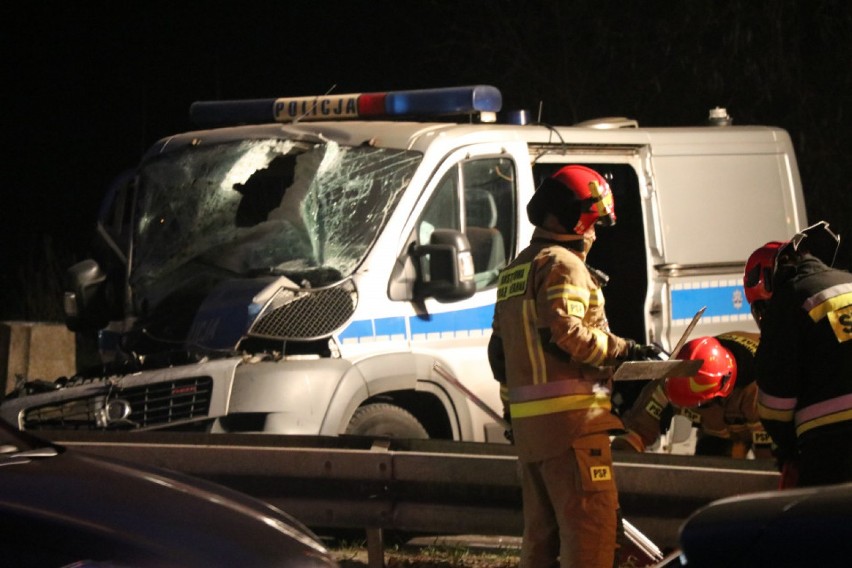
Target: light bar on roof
[{"x": 421, "y": 102}]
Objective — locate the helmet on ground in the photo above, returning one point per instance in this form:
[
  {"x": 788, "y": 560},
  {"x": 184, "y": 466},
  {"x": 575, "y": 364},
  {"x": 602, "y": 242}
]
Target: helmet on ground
[
  {"x": 715, "y": 378},
  {"x": 579, "y": 197}
]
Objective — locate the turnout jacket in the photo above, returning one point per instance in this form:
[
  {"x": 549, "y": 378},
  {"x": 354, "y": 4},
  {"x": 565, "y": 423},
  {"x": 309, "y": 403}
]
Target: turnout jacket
[
  {"x": 804, "y": 361},
  {"x": 550, "y": 349},
  {"x": 733, "y": 418}
]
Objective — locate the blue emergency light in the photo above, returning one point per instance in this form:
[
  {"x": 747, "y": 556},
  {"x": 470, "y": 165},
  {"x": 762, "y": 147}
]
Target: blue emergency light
[{"x": 420, "y": 102}]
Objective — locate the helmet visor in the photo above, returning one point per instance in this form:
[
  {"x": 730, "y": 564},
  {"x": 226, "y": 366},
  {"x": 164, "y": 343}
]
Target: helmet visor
[{"x": 603, "y": 203}]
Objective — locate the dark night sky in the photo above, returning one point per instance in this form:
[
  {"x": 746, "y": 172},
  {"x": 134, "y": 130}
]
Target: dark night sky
[
  {"x": 88, "y": 86},
  {"x": 90, "y": 89}
]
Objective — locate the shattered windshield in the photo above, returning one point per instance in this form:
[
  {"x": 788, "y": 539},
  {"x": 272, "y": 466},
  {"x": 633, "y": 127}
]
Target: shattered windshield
[{"x": 309, "y": 211}]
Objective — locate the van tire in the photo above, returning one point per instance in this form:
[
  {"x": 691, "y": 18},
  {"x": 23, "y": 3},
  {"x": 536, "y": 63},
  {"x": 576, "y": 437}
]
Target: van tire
[{"x": 386, "y": 420}]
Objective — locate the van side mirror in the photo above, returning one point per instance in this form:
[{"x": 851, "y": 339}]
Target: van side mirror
[
  {"x": 85, "y": 303},
  {"x": 445, "y": 267}
]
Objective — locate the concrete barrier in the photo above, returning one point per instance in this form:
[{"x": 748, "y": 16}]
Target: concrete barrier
[{"x": 35, "y": 350}]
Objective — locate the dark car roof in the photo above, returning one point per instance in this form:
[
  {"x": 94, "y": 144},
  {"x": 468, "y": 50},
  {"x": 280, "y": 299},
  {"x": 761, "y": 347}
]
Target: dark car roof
[{"x": 793, "y": 527}]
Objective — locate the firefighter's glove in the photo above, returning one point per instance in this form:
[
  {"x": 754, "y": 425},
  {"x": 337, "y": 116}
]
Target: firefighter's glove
[{"x": 639, "y": 352}]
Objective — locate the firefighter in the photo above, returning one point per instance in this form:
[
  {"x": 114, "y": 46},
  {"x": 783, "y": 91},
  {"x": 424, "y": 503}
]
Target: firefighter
[
  {"x": 720, "y": 401},
  {"x": 804, "y": 362},
  {"x": 552, "y": 351}
]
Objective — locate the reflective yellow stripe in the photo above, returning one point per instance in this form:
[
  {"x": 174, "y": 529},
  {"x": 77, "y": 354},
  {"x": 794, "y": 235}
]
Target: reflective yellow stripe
[
  {"x": 598, "y": 354},
  {"x": 559, "y": 404},
  {"x": 767, "y": 413},
  {"x": 533, "y": 341},
  {"x": 830, "y": 305},
  {"x": 504, "y": 393},
  {"x": 823, "y": 420},
  {"x": 724, "y": 434},
  {"x": 746, "y": 342},
  {"x": 576, "y": 299},
  {"x": 596, "y": 298},
  {"x": 568, "y": 292}
]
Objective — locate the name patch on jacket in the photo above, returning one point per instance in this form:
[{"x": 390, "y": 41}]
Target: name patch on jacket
[
  {"x": 654, "y": 409},
  {"x": 841, "y": 323},
  {"x": 513, "y": 281},
  {"x": 760, "y": 438},
  {"x": 600, "y": 473},
  {"x": 693, "y": 416}
]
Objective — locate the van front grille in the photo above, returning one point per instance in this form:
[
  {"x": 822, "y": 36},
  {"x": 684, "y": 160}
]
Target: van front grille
[
  {"x": 116, "y": 408},
  {"x": 305, "y": 314}
]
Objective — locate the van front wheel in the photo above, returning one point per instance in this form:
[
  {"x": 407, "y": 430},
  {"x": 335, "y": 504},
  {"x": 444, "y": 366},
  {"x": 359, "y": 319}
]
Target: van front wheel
[{"x": 386, "y": 420}]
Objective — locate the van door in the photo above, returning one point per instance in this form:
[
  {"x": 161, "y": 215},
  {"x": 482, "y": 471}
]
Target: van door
[
  {"x": 474, "y": 191},
  {"x": 718, "y": 202},
  {"x": 622, "y": 252}
]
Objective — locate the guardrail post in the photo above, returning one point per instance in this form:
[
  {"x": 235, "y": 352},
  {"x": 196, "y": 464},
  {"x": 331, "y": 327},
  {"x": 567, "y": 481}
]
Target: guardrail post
[
  {"x": 375, "y": 548},
  {"x": 375, "y": 538}
]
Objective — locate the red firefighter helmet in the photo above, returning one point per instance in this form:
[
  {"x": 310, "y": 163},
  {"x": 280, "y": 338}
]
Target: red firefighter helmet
[
  {"x": 715, "y": 378},
  {"x": 759, "y": 269},
  {"x": 588, "y": 202}
]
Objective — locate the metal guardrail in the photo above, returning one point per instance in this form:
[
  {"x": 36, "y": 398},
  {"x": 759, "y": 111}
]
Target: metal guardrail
[{"x": 418, "y": 486}]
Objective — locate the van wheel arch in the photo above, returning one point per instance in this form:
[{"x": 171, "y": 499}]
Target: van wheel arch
[
  {"x": 384, "y": 419},
  {"x": 418, "y": 409}
]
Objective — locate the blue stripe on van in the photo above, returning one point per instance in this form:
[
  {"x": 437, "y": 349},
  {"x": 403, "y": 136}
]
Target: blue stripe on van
[
  {"x": 723, "y": 300},
  {"x": 356, "y": 329},
  {"x": 460, "y": 322},
  {"x": 390, "y": 326}
]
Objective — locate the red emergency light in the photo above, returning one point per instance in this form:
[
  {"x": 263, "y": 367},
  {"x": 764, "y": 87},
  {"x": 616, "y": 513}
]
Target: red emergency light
[{"x": 420, "y": 102}]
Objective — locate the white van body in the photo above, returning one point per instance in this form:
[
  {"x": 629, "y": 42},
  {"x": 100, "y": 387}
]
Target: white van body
[{"x": 691, "y": 204}]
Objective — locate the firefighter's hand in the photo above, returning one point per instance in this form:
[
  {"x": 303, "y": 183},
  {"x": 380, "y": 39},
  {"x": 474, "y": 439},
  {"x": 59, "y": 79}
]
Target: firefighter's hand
[{"x": 640, "y": 352}]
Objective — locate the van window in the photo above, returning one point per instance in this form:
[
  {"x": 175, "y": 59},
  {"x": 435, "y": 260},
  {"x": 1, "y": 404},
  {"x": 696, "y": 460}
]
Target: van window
[
  {"x": 476, "y": 197},
  {"x": 115, "y": 214},
  {"x": 716, "y": 206}
]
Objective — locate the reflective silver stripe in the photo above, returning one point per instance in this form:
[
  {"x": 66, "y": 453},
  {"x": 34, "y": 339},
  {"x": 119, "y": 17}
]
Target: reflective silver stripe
[
  {"x": 826, "y": 294},
  {"x": 776, "y": 402},
  {"x": 824, "y": 408}
]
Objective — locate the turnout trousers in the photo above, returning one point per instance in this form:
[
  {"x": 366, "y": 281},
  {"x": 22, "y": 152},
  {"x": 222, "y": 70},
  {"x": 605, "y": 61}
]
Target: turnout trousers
[{"x": 570, "y": 507}]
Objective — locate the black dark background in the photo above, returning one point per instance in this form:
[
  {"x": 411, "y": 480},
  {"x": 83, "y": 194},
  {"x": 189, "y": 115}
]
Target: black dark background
[{"x": 88, "y": 86}]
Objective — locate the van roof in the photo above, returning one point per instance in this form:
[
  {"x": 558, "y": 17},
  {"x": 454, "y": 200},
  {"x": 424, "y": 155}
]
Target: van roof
[{"x": 420, "y": 135}]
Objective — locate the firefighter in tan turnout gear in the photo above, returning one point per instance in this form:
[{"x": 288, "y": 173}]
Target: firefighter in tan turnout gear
[
  {"x": 552, "y": 352},
  {"x": 720, "y": 401}
]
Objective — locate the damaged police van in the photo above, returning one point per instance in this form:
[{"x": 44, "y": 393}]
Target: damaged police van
[{"x": 301, "y": 265}]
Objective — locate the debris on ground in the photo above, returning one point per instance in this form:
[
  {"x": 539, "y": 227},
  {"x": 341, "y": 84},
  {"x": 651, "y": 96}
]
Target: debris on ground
[{"x": 429, "y": 557}]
